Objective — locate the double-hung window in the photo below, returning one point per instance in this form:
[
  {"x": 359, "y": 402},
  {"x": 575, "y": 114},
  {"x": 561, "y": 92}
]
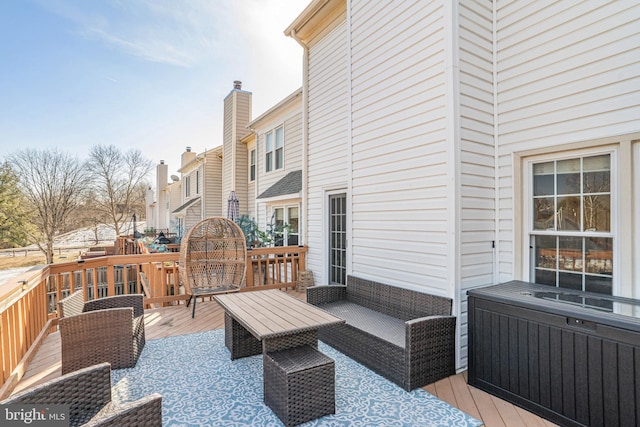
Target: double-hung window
[
  {"x": 289, "y": 234},
  {"x": 570, "y": 232},
  {"x": 252, "y": 165},
  {"x": 187, "y": 186},
  {"x": 274, "y": 149}
]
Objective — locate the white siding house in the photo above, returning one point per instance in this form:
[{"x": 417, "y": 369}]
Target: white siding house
[
  {"x": 467, "y": 140},
  {"x": 278, "y": 165}
]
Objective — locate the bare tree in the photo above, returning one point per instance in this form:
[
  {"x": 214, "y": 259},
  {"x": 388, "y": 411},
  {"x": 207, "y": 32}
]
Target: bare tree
[
  {"x": 116, "y": 179},
  {"x": 53, "y": 184}
]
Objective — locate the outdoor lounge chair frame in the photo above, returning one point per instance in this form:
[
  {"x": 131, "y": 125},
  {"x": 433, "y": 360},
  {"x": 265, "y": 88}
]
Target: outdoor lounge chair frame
[
  {"x": 102, "y": 330},
  {"x": 213, "y": 257},
  {"x": 88, "y": 393}
]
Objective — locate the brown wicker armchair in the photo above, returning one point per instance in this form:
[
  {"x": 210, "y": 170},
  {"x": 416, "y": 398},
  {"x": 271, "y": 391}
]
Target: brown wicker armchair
[
  {"x": 213, "y": 257},
  {"x": 88, "y": 393},
  {"x": 102, "y": 330}
]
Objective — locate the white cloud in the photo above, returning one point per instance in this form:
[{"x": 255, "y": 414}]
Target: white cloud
[{"x": 178, "y": 33}]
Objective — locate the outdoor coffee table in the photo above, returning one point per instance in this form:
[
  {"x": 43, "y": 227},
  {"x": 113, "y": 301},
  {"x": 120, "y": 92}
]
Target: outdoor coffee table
[{"x": 263, "y": 321}]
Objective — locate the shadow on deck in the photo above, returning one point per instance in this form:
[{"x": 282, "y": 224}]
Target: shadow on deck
[{"x": 176, "y": 320}]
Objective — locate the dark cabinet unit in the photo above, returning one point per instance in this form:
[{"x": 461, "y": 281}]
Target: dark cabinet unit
[{"x": 571, "y": 357}]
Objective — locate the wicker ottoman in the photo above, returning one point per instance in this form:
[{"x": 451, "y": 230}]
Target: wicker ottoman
[{"x": 299, "y": 384}]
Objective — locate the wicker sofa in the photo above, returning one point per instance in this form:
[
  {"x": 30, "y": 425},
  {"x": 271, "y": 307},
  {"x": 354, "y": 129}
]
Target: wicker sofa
[
  {"x": 102, "y": 330},
  {"x": 88, "y": 393},
  {"x": 406, "y": 336}
]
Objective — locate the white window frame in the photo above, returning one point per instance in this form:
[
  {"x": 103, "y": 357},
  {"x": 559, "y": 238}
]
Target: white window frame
[
  {"x": 274, "y": 149},
  {"x": 528, "y": 219},
  {"x": 252, "y": 165},
  {"x": 285, "y": 208},
  {"x": 187, "y": 186},
  {"x": 197, "y": 181}
]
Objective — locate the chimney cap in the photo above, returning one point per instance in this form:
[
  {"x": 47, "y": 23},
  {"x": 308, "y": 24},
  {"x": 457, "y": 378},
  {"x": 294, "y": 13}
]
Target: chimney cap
[
  {"x": 162, "y": 162},
  {"x": 237, "y": 84},
  {"x": 188, "y": 149}
]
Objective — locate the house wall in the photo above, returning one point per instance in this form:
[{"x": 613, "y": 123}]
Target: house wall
[
  {"x": 211, "y": 186},
  {"x": 328, "y": 136},
  {"x": 174, "y": 197},
  {"x": 567, "y": 77},
  {"x": 237, "y": 114},
  {"x": 291, "y": 120},
  {"x": 400, "y": 190},
  {"x": 251, "y": 185},
  {"x": 476, "y": 157}
]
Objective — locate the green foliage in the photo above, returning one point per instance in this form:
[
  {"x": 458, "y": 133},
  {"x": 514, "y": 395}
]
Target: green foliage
[
  {"x": 15, "y": 224},
  {"x": 256, "y": 238}
]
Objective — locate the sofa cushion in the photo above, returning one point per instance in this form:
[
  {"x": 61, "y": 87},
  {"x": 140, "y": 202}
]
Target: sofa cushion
[{"x": 373, "y": 322}]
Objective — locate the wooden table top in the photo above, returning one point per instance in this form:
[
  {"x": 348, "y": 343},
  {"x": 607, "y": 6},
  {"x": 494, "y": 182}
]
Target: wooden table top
[{"x": 273, "y": 313}]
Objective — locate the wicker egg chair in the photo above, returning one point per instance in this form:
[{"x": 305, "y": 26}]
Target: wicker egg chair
[{"x": 213, "y": 256}]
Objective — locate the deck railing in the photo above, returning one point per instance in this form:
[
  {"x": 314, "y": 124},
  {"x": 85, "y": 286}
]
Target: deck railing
[{"x": 28, "y": 309}]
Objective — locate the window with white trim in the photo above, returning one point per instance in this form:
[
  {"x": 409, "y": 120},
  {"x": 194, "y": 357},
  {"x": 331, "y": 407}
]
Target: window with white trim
[
  {"x": 570, "y": 228},
  {"x": 252, "y": 165},
  {"x": 274, "y": 150},
  {"x": 286, "y": 225},
  {"x": 198, "y": 181},
  {"x": 187, "y": 186}
]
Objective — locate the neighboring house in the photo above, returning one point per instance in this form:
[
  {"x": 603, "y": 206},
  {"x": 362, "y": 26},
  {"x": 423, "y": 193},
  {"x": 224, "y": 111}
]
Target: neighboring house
[
  {"x": 201, "y": 187},
  {"x": 206, "y": 179},
  {"x": 449, "y": 145},
  {"x": 237, "y": 114},
  {"x": 163, "y": 201},
  {"x": 275, "y": 168}
]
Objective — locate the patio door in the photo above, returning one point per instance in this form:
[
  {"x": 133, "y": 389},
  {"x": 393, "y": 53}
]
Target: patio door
[{"x": 338, "y": 238}]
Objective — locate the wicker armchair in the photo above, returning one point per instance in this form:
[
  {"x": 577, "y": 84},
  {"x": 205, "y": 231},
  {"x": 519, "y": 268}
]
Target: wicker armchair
[
  {"x": 88, "y": 393},
  {"x": 213, "y": 257},
  {"x": 102, "y": 330}
]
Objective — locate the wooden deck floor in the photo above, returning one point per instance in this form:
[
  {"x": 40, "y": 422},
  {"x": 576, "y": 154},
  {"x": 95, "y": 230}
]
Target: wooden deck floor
[{"x": 171, "y": 321}]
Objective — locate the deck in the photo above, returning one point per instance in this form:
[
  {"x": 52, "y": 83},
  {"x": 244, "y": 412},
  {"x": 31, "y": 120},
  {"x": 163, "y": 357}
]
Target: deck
[{"x": 171, "y": 321}]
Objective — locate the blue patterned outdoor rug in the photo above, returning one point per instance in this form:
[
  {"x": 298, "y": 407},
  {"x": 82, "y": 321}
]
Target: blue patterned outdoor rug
[{"x": 201, "y": 386}]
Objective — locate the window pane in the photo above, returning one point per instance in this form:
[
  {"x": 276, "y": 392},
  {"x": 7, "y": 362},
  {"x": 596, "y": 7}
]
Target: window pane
[
  {"x": 599, "y": 255},
  {"x": 597, "y": 212},
  {"x": 279, "y": 137},
  {"x": 268, "y": 162},
  {"x": 597, "y": 163},
  {"x": 279, "y": 160},
  {"x": 545, "y": 277},
  {"x": 545, "y": 252},
  {"x": 597, "y": 182},
  {"x": 569, "y": 176},
  {"x": 570, "y": 254},
  {"x": 269, "y": 142},
  {"x": 543, "y": 214},
  {"x": 569, "y": 213},
  {"x": 570, "y": 280},
  {"x": 543, "y": 179},
  {"x": 293, "y": 219},
  {"x": 599, "y": 284}
]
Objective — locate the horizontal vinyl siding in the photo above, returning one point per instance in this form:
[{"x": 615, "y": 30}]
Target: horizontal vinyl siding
[
  {"x": 292, "y": 126},
  {"x": 212, "y": 192},
  {"x": 399, "y": 182},
  {"x": 328, "y": 138},
  {"x": 241, "y": 162},
  {"x": 477, "y": 155},
  {"x": 567, "y": 72},
  {"x": 227, "y": 150}
]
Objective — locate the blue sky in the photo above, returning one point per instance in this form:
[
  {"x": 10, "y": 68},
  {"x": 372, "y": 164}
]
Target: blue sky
[{"x": 148, "y": 74}]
